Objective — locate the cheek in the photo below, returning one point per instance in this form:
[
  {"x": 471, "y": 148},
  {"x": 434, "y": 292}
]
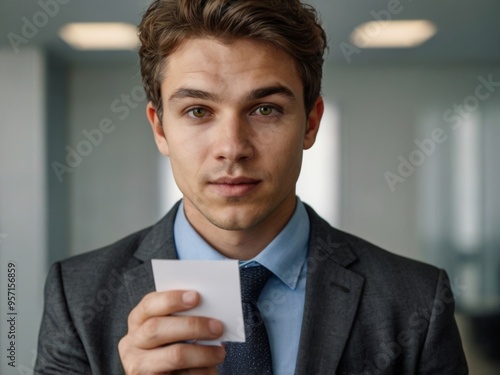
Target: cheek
[
  {"x": 185, "y": 146},
  {"x": 185, "y": 162},
  {"x": 183, "y": 159},
  {"x": 284, "y": 155}
]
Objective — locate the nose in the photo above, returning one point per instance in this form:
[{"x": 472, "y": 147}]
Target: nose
[{"x": 233, "y": 140}]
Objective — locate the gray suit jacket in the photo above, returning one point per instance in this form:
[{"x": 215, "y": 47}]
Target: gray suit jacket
[{"x": 367, "y": 311}]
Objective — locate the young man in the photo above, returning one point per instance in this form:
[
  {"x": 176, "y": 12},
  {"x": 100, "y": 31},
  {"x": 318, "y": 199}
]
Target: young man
[{"x": 234, "y": 90}]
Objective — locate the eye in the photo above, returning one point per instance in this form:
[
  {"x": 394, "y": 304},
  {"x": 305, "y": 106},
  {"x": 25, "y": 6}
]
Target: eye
[
  {"x": 197, "y": 112},
  {"x": 267, "y": 110}
]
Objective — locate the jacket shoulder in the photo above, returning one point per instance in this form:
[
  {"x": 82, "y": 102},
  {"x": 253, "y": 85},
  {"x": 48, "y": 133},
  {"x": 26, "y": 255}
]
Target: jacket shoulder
[
  {"x": 375, "y": 260},
  {"x": 380, "y": 268},
  {"x": 117, "y": 255}
]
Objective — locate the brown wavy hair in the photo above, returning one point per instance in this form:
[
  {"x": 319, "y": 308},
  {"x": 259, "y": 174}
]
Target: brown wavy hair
[{"x": 288, "y": 24}]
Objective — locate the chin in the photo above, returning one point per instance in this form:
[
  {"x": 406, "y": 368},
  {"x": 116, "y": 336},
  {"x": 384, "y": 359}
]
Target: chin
[{"x": 234, "y": 218}]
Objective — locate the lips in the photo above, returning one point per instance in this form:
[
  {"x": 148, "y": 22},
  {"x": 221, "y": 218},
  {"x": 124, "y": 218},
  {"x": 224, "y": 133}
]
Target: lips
[
  {"x": 234, "y": 186},
  {"x": 234, "y": 181}
]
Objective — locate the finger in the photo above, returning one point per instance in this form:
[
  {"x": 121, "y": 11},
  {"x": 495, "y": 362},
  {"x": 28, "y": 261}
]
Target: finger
[
  {"x": 158, "y": 331},
  {"x": 182, "y": 357},
  {"x": 161, "y": 304}
]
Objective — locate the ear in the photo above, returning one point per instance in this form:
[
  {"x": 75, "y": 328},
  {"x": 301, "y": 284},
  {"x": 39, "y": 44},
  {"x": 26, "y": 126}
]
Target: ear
[
  {"x": 313, "y": 120},
  {"x": 158, "y": 133}
]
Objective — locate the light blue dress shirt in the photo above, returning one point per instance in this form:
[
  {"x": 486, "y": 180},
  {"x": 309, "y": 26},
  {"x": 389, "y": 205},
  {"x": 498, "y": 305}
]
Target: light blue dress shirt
[{"x": 281, "y": 302}]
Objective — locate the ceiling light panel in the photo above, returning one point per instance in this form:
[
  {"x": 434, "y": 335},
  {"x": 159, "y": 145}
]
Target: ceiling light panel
[
  {"x": 100, "y": 36},
  {"x": 393, "y": 34}
]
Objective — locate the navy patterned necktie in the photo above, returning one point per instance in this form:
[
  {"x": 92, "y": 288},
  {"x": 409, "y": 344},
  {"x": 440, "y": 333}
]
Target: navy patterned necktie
[{"x": 254, "y": 355}]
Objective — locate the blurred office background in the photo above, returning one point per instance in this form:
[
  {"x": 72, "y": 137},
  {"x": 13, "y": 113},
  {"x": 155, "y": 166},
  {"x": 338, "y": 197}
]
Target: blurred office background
[{"x": 407, "y": 156}]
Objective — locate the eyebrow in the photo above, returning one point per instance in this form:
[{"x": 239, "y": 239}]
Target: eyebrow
[
  {"x": 185, "y": 92},
  {"x": 271, "y": 90}
]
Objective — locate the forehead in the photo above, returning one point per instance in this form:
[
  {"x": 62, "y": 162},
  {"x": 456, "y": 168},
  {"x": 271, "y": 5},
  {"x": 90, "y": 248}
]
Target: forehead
[{"x": 240, "y": 65}]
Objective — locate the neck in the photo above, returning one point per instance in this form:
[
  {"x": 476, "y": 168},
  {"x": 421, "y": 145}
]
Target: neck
[{"x": 242, "y": 244}]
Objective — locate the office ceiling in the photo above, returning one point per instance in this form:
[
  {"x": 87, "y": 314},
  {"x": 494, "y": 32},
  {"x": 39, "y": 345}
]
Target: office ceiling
[{"x": 468, "y": 30}]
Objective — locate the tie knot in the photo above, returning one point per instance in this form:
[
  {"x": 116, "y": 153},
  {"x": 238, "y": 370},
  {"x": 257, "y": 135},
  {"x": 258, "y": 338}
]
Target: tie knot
[{"x": 253, "y": 280}]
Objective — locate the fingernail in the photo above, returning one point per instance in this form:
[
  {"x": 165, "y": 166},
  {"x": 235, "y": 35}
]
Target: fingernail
[
  {"x": 215, "y": 327},
  {"x": 189, "y": 298}
]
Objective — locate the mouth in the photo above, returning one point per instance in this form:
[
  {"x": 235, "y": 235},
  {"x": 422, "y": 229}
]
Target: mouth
[{"x": 231, "y": 187}]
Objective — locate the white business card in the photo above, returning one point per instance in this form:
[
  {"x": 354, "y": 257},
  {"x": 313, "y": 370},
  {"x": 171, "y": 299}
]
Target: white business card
[{"x": 217, "y": 282}]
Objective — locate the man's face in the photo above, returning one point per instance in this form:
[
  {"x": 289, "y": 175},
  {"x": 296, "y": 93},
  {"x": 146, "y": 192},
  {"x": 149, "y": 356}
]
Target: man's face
[{"x": 234, "y": 126}]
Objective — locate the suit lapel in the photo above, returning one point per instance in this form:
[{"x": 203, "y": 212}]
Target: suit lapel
[
  {"x": 332, "y": 297},
  {"x": 158, "y": 244}
]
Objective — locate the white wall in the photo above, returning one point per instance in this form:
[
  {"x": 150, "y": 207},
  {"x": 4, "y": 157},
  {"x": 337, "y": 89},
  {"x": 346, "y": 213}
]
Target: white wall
[
  {"x": 383, "y": 109},
  {"x": 23, "y": 227},
  {"x": 114, "y": 188},
  {"x": 377, "y": 112}
]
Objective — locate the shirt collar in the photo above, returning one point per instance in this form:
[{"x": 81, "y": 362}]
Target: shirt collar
[{"x": 285, "y": 256}]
